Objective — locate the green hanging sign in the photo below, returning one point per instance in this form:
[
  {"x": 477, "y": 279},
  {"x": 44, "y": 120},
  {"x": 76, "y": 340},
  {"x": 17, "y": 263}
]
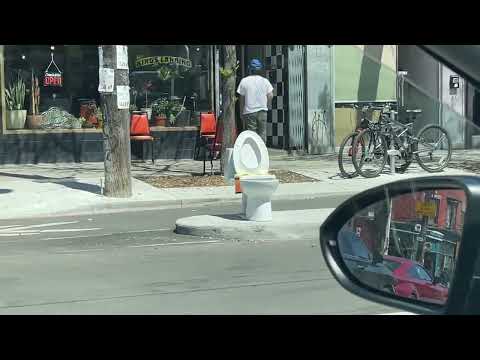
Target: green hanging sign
[{"x": 155, "y": 61}]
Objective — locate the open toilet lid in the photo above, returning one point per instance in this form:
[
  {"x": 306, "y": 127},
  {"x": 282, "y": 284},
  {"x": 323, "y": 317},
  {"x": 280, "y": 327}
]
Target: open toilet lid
[{"x": 250, "y": 155}]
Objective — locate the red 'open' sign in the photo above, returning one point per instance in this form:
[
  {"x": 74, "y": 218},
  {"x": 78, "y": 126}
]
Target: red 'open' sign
[{"x": 53, "y": 79}]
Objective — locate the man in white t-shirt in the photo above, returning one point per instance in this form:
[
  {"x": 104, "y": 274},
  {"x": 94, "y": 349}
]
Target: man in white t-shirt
[{"x": 255, "y": 93}]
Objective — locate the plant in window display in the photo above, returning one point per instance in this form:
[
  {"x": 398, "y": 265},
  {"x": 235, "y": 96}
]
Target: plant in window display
[
  {"x": 133, "y": 95},
  {"x": 173, "y": 110},
  {"x": 85, "y": 123},
  {"x": 99, "y": 115},
  {"x": 35, "y": 119},
  {"x": 146, "y": 89},
  {"x": 56, "y": 118},
  {"x": 15, "y": 101},
  {"x": 159, "y": 109}
]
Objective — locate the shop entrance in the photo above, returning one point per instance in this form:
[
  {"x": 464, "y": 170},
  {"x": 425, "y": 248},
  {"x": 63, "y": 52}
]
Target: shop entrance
[{"x": 245, "y": 53}]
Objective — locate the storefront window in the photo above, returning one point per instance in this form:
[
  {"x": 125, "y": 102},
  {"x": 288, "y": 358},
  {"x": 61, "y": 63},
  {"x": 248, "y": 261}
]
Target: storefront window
[
  {"x": 51, "y": 87},
  {"x": 56, "y": 87},
  {"x": 172, "y": 83}
]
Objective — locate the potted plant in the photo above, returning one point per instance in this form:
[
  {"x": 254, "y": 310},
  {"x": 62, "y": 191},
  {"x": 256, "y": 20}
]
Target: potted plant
[
  {"x": 159, "y": 109},
  {"x": 34, "y": 120},
  {"x": 15, "y": 100},
  {"x": 174, "y": 108},
  {"x": 147, "y": 109},
  {"x": 99, "y": 115}
]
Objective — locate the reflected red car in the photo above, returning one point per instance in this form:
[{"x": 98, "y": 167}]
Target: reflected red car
[{"x": 413, "y": 281}]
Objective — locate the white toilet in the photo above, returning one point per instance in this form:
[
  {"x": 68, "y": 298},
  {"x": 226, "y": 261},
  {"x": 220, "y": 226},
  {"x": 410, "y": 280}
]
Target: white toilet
[{"x": 251, "y": 163}]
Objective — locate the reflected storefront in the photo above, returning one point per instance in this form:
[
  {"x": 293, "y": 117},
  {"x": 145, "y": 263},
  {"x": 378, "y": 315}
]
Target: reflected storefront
[
  {"x": 50, "y": 105},
  {"x": 406, "y": 245},
  {"x": 442, "y": 231}
]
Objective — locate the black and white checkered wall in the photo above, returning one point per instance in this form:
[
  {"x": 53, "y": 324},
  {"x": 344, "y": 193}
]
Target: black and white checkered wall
[{"x": 276, "y": 65}]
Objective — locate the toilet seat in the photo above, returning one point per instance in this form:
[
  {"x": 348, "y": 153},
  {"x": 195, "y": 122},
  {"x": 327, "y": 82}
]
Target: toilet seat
[
  {"x": 258, "y": 177},
  {"x": 250, "y": 155}
]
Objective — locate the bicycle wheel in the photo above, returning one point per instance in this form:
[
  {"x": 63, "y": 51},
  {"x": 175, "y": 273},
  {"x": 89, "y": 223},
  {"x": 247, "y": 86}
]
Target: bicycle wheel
[
  {"x": 345, "y": 153},
  {"x": 434, "y": 148},
  {"x": 369, "y": 153}
]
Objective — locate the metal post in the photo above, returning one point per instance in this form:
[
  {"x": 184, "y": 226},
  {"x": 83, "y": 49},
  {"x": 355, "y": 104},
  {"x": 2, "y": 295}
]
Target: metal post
[
  {"x": 392, "y": 157},
  {"x": 388, "y": 227}
]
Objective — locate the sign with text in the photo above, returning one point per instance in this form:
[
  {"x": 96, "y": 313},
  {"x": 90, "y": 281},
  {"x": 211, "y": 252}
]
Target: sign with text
[
  {"x": 106, "y": 80},
  {"x": 53, "y": 79},
  {"x": 123, "y": 97},
  {"x": 122, "y": 57},
  {"x": 161, "y": 60},
  {"x": 428, "y": 209}
]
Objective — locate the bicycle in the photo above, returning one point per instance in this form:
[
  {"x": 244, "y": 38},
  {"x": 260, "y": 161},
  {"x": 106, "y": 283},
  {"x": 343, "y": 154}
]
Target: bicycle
[
  {"x": 345, "y": 157},
  {"x": 397, "y": 138}
]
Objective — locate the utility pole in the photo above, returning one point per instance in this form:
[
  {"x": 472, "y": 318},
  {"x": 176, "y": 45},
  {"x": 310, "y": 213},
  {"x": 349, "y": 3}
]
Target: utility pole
[
  {"x": 116, "y": 128},
  {"x": 422, "y": 239}
]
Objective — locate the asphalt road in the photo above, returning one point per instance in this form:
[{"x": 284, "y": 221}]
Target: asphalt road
[{"x": 133, "y": 263}]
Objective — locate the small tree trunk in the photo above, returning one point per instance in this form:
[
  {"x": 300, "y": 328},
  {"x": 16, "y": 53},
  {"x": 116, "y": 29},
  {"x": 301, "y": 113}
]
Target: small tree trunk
[
  {"x": 116, "y": 134},
  {"x": 228, "y": 96}
]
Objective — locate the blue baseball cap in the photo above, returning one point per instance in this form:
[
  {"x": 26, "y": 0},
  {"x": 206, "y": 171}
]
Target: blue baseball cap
[{"x": 256, "y": 64}]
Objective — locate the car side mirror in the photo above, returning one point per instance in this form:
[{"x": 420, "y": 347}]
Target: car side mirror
[{"x": 423, "y": 224}]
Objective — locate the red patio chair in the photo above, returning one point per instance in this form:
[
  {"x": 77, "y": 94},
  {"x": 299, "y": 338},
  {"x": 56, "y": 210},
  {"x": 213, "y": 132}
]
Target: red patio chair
[
  {"x": 140, "y": 131},
  {"x": 208, "y": 126},
  {"x": 214, "y": 147}
]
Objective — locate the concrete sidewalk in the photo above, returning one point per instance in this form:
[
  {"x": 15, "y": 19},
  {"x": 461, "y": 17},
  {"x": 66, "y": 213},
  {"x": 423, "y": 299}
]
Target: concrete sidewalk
[{"x": 72, "y": 189}]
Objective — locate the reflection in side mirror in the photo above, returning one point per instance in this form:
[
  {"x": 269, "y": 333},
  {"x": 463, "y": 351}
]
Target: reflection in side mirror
[{"x": 409, "y": 247}]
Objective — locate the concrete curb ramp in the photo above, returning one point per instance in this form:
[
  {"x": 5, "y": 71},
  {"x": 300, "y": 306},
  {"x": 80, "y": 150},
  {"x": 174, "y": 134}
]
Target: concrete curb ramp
[{"x": 286, "y": 225}]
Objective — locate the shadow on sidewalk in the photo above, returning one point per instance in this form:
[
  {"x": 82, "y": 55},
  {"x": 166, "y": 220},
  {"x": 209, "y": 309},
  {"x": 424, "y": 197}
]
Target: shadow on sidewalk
[
  {"x": 238, "y": 217},
  {"x": 65, "y": 181},
  {"x": 5, "y": 191}
]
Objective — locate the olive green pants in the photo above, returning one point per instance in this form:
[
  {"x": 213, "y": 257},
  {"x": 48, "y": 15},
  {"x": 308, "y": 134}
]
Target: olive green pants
[{"x": 256, "y": 122}]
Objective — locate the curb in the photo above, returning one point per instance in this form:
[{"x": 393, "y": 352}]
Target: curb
[
  {"x": 236, "y": 228},
  {"x": 125, "y": 206}
]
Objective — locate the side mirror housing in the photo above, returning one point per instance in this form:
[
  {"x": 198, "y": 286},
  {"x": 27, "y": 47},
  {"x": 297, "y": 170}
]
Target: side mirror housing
[{"x": 425, "y": 250}]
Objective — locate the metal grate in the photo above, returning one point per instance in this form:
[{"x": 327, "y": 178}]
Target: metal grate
[{"x": 296, "y": 98}]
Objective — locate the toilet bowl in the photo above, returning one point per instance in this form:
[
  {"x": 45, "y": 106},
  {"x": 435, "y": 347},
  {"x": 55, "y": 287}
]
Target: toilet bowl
[
  {"x": 258, "y": 192},
  {"x": 251, "y": 178},
  {"x": 251, "y": 162}
]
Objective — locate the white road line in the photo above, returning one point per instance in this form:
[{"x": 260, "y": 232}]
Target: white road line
[
  {"x": 8, "y": 226},
  {"x": 19, "y": 234},
  {"x": 76, "y": 251},
  {"x": 38, "y": 232},
  {"x": 180, "y": 243},
  {"x": 149, "y": 230},
  {"x": 71, "y": 237},
  {"x": 68, "y": 230},
  {"x": 22, "y": 227},
  {"x": 139, "y": 246}
]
